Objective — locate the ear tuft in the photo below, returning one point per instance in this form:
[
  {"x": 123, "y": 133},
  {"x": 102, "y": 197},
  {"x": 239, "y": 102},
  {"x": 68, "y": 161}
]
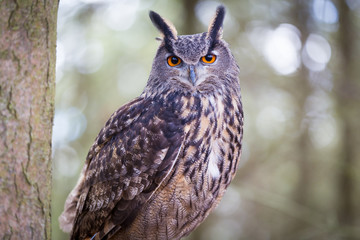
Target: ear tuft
[
  {"x": 215, "y": 28},
  {"x": 166, "y": 28}
]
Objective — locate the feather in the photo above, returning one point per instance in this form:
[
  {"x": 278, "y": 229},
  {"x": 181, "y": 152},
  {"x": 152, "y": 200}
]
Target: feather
[
  {"x": 215, "y": 27},
  {"x": 132, "y": 172},
  {"x": 166, "y": 28}
]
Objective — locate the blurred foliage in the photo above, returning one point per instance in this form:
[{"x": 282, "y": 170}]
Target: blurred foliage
[{"x": 299, "y": 176}]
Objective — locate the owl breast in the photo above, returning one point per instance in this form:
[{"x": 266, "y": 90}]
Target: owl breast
[{"x": 206, "y": 164}]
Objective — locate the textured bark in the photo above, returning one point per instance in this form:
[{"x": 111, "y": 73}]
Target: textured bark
[{"x": 27, "y": 81}]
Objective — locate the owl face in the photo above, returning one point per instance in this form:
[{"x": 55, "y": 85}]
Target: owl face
[{"x": 191, "y": 63}]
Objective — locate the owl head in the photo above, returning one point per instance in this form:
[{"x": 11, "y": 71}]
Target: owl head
[{"x": 199, "y": 63}]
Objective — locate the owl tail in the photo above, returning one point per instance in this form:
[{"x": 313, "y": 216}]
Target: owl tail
[{"x": 67, "y": 217}]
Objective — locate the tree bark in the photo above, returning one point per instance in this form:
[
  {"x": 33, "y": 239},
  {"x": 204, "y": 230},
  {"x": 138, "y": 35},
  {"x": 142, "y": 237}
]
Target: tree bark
[{"x": 27, "y": 88}]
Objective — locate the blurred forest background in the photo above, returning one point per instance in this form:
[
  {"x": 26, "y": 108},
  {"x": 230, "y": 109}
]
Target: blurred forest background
[{"x": 299, "y": 177}]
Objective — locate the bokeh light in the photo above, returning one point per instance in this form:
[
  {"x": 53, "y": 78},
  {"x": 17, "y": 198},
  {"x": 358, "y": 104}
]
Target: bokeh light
[
  {"x": 317, "y": 52},
  {"x": 325, "y": 11},
  {"x": 282, "y": 47}
]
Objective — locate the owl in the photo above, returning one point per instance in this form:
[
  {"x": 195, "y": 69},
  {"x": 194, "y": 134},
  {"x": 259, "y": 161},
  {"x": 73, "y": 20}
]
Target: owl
[{"x": 163, "y": 161}]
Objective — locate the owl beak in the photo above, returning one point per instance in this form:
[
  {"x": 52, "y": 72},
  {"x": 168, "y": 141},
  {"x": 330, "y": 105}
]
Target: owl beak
[{"x": 192, "y": 74}]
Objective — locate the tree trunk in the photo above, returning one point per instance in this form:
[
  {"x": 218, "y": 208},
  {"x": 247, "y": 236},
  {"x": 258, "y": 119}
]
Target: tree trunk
[
  {"x": 299, "y": 13},
  {"x": 348, "y": 97},
  {"x": 190, "y": 20},
  {"x": 27, "y": 87}
]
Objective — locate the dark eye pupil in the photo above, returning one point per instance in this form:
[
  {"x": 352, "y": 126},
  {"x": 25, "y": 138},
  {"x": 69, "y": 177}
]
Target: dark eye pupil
[
  {"x": 174, "y": 60},
  {"x": 209, "y": 57}
]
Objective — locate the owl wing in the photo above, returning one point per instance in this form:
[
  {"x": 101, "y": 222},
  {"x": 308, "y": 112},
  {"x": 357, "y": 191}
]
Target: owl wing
[{"x": 130, "y": 158}]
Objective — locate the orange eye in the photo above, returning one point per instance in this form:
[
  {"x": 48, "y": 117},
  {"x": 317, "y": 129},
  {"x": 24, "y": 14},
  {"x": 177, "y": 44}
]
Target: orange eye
[
  {"x": 209, "y": 58},
  {"x": 173, "y": 61}
]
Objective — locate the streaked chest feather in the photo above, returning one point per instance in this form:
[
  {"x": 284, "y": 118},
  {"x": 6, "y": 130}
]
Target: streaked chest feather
[{"x": 208, "y": 134}]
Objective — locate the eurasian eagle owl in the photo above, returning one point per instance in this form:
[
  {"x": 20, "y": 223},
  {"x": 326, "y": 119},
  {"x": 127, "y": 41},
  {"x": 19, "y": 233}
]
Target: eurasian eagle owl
[{"x": 163, "y": 161}]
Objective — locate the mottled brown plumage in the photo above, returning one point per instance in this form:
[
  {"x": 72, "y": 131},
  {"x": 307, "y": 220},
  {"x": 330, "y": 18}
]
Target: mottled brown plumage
[{"x": 163, "y": 161}]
